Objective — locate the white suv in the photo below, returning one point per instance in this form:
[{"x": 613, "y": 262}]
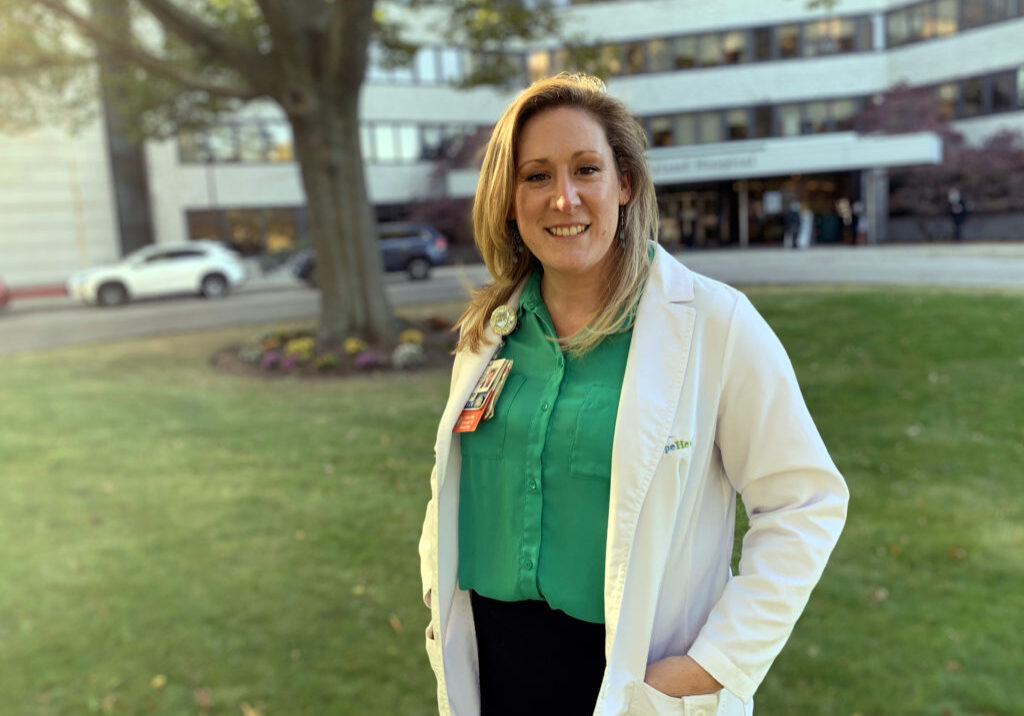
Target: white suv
[{"x": 194, "y": 267}]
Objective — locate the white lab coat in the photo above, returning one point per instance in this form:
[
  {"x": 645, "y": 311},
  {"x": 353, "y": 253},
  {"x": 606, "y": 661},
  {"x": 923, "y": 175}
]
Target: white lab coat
[{"x": 709, "y": 407}]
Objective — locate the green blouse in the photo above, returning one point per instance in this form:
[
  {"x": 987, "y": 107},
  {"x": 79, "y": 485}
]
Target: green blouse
[{"x": 534, "y": 491}]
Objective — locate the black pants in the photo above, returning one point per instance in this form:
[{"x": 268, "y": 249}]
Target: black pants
[{"x": 536, "y": 660}]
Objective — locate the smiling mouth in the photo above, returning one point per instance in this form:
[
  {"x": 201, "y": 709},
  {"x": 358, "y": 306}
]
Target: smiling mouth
[{"x": 565, "y": 231}]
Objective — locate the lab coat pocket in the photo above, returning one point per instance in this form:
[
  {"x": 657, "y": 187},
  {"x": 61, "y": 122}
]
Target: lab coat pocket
[
  {"x": 648, "y": 701},
  {"x": 590, "y": 457}
]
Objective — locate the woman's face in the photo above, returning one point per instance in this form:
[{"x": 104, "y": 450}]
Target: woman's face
[{"x": 567, "y": 192}]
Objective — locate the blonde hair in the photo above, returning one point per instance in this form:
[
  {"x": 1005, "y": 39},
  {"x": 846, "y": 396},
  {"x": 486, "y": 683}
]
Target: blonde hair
[{"x": 494, "y": 196}]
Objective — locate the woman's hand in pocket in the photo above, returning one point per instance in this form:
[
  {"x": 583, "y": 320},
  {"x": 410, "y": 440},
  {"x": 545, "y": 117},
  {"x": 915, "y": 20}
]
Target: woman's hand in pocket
[
  {"x": 430, "y": 627},
  {"x": 680, "y": 676}
]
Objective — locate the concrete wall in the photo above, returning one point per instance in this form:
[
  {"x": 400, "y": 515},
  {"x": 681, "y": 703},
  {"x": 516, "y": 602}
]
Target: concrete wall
[{"x": 57, "y": 211}]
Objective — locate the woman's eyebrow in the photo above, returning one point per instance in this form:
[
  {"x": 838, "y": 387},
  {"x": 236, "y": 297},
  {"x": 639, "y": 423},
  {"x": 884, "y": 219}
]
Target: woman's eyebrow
[{"x": 545, "y": 160}]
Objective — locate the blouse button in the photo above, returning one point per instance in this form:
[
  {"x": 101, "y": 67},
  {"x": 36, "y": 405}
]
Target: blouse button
[
  {"x": 533, "y": 484},
  {"x": 544, "y": 407}
]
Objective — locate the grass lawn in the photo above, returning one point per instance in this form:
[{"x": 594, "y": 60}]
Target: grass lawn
[{"x": 178, "y": 541}]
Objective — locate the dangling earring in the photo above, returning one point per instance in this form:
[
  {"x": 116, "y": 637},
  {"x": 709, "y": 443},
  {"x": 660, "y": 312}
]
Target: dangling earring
[
  {"x": 622, "y": 227},
  {"x": 515, "y": 240}
]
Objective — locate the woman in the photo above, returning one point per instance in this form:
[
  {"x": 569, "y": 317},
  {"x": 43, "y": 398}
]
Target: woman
[{"x": 575, "y": 553}]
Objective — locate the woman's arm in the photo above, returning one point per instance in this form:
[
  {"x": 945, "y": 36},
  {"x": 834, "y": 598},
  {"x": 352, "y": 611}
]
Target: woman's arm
[{"x": 794, "y": 496}]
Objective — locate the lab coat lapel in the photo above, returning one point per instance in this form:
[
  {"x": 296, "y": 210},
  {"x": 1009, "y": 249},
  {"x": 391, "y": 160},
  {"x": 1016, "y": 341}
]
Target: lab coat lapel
[
  {"x": 651, "y": 390},
  {"x": 467, "y": 371}
]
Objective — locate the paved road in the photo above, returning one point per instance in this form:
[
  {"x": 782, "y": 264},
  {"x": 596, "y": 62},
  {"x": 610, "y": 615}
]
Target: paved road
[{"x": 40, "y": 324}]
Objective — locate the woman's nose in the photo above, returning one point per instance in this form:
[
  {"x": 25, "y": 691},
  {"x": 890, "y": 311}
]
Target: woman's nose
[{"x": 566, "y": 197}]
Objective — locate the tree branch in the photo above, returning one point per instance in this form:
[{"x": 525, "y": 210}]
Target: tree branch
[
  {"x": 125, "y": 50},
  {"x": 217, "y": 45}
]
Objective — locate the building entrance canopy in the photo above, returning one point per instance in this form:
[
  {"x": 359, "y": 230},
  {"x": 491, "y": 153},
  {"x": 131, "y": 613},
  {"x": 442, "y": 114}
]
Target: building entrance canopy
[{"x": 842, "y": 151}]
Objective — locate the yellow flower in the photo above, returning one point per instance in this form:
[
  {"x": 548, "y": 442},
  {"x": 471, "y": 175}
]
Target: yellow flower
[
  {"x": 355, "y": 345},
  {"x": 411, "y": 335},
  {"x": 300, "y": 348}
]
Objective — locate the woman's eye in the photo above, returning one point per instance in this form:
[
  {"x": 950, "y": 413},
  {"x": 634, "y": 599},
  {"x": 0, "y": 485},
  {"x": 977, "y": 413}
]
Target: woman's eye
[
  {"x": 589, "y": 169},
  {"x": 536, "y": 177}
]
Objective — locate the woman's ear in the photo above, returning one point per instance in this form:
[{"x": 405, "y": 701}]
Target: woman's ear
[{"x": 625, "y": 188}]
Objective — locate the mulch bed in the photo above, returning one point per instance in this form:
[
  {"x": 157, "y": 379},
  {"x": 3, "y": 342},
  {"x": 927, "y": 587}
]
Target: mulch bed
[{"x": 295, "y": 354}]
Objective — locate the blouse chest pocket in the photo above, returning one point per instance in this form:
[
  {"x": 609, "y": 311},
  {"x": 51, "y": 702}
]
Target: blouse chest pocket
[
  {"x": 590, "y": 457},
  {"x": 488, "y": 440}
]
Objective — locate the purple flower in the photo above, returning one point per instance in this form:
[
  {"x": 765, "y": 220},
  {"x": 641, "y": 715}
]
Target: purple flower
[
  {"x": 270, "y": 360},
  {"x": 366, "y": 360}
]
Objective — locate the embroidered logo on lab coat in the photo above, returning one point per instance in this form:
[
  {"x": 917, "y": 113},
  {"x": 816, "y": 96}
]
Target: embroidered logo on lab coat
[{"x": 677, "y": 445}]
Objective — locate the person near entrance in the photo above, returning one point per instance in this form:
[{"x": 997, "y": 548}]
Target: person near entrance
[
  {"x": 957, "y": 212},
  {"x": 576, "y": 548},
  {"x": 791, "y": 225}
]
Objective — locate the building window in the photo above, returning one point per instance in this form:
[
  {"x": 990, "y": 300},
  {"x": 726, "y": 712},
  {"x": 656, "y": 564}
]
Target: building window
[
  {"x": 710, "y": 127},
  {"x": 788, "y": 38},
  {"x": 815, "y": 118},
  {"x": 282, "y": 230},
  {"x": 999, "y": 10},
  {"x": 686, "y": 129},
  {"x": 686, "y": 52},
  {"x": 945, "y": 20},
  {"x": 736, "y": 121},
  {"x": 659, "y": 56},
  {"x": 974, "y": 13},
  {"x": 946, "y": 101},
  {"x": 204, "y": 224},
  {"x": 711, "y": 52},
  {"x": 661, "y": 132},
  {"x": 917, "y": 19},
  {"x": 221, "y": 142},
  {"x": 451, "y": 65},
  {"x": 762, "y": 45},
  {"x": 734, "y": 47},
  {"x": 610, "y": 58},
  {"x": 634, "y": 57},
  {"x": 252, "y": 143},
  {"x": 366, "y": 143},
  {"x": 828, "y": 37},
  {"x": 789, "y": 116},
  {"x": 384, "y": 143},
  {"x": 973, "y": 97},
  {"x": 763, "y": 121},
  {"x": 282, "y": 145},
  {"x": 425, "y": 65},
  {"x": 192, "y": 148},
  {"x": 245, "y": 231},
  {"x": 897, "y": 30},
  {"x": 1004, "y": 91},
  {"x": 407, "y": 148},
  {"x": 843, "y": 112}
]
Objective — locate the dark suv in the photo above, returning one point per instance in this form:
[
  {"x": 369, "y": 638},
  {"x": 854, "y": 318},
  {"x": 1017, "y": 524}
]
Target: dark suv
[{"x": 410, "y": 247}]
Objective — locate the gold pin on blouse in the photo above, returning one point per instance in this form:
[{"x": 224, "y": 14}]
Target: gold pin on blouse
[{"x": 503, "y": 321}]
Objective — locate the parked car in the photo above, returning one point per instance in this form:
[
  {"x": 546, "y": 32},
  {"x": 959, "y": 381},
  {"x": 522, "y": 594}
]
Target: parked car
[
  {"x": 410, "y": 247},
  {"x": 5, "y": 293},
  {"x": 203, "y": 267}
]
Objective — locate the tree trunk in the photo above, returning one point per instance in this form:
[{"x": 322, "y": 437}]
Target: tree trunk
[{"x": 348, "y": 263}]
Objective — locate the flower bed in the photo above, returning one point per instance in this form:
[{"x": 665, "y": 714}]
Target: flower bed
[{"x": 298, "y": 353}]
